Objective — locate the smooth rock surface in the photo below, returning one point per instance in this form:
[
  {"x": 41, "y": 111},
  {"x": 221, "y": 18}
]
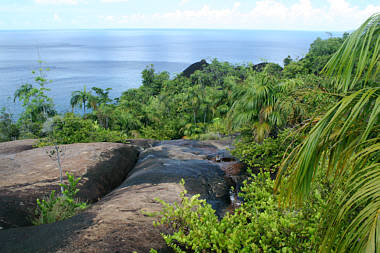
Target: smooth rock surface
[
  {"x": 170, "y": 161},
  {"x": 27, "y": 173},
  {"x": 116, "y": 223}
]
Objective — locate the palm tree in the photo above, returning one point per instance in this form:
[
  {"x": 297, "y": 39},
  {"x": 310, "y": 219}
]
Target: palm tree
[
  {"x": 102, "y": 96},
  {"x": 346, "y": 143},
  {"x": 194, "y": 98},
  {"x": 80, "y": 98},
  {"x": 257, "y": 105}
]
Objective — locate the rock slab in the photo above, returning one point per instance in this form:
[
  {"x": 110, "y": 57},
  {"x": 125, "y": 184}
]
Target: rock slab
[{"x": 27, "y": 173}]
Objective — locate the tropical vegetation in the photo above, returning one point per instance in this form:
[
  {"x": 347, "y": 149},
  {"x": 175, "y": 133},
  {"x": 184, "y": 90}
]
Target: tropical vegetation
[
  {"x": 308, "y": 132},
  {"x": 336, "y": 163}
]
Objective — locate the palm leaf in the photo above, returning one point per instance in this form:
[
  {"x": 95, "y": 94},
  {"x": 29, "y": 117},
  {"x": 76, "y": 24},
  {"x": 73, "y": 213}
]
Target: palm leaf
[
  {"x": 347, "y": 137},
  {"x": 358, "y": 58}
]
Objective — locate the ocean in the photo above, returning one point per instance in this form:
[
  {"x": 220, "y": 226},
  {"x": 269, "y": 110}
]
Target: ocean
[{"x": 115, "y": 58}]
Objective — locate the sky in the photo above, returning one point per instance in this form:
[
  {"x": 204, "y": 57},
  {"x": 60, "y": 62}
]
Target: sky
[{"x": 312, "y": 15}]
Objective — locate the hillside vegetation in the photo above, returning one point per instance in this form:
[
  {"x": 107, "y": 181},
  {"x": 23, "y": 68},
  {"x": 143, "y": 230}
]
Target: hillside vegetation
[{"x": 314, "y": 124}]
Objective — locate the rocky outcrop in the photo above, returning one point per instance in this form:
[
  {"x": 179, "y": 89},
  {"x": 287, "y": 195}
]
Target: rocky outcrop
[
  {"x": 259, "y": 67},
  {"x": 170, "y": 161},
  {"x": 117, "y": 223},
  {"x": 120, "y": 221},
  {"x": 200, "y": 65},
  {"x": 27, "y": 173}
]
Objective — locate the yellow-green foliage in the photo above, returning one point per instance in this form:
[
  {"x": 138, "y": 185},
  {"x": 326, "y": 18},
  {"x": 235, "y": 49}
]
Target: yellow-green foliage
[
  {"x": 59, "y": 207},
  {"x": 259, "y": 225},
  {"x": 74, "y": 129}
]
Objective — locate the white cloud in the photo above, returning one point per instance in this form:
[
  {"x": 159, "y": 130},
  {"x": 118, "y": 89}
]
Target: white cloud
[
  {"x": 271, "y": 14},
  {"x": 69, "y": 2},
  {"x": 113, "y": 1},
  {"x": 56, "y": 17},
  {"x": 337, "y": 15},
  {"x": 183, "y": 2}
]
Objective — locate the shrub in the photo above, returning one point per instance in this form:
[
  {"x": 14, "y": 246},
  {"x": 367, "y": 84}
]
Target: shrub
[
  {"x": 259, "y": 225},
  {"x": 8, "y": 130},
  {"x": 73, "y": 129},
  {"x": 267, "y": 155},
  {"x": 55, "y": 208}
]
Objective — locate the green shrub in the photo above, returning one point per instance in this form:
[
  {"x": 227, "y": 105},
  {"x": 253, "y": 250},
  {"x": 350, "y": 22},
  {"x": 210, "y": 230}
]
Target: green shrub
[
  {"x": 61, "y": 207},
  {"x": 259, "y": 225},
  {"x": 294, "y": 69},
  {"x": 8, "y": 130},
  {"x": 266, "y": 155},
  {"x": 73, "y": 129},
  {"x": 167, "y": 131}
]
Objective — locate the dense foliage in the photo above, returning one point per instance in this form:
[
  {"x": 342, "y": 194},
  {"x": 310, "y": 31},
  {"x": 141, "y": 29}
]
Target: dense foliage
[
  {"x": 333, "y": 172},
  {"x": 73, "y": 129},
  {"x": 266, "y": 156},
  {"x": 8, "y": 129},
  {"x": 259, "y": 225}
]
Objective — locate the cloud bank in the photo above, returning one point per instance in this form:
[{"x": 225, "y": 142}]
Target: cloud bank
[
  {"x": 337, "y": 15},
  {"x": 68, "y": 2}
]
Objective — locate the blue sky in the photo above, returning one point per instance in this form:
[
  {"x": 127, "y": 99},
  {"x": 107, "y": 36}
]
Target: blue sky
[{"x": 322, "y": 15}]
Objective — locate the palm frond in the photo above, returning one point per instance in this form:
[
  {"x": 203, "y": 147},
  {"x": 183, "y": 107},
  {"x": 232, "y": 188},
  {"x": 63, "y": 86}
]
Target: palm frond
[
  {"x": 330, "y": 135},
  {"x": 358, "y": 58},
  {"x": 347, "y": 139}
]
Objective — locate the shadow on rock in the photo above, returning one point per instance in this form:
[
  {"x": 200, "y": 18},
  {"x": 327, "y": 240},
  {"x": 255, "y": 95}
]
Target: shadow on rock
[
  {"x": 171, "y": 161},
  {"x": 43, "y": 238}
]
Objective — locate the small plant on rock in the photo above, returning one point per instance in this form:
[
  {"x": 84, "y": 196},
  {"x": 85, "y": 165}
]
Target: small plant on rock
[{"x": 60, "y": 207}]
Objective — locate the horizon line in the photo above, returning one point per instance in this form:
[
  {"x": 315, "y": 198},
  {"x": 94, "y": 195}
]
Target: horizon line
[{"x": 171, "y": 28}]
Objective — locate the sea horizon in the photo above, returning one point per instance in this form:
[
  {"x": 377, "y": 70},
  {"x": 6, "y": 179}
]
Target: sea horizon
[{"x": 333, "y": 32}]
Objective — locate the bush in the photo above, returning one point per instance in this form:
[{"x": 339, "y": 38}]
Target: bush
[
  {"x": 294, "y": 69},
  {"x": 8, "y": 130},
  {"x": 57, "y": 208},
  {"x": 265, "y": 156},
  {"x": 259, "y": 225},
  {"x": 73, "y": 129}
]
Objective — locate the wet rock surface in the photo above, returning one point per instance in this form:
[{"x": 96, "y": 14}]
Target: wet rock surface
[
  {"x": 118, "y": 222},
  {"x": 170, "y": 161}
]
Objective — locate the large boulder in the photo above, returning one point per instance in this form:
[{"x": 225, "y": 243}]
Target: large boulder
[
  {"x": 117, "y": 223},
  {"x": 27, "y": 173},
  {"x": 191, "y": 160}
]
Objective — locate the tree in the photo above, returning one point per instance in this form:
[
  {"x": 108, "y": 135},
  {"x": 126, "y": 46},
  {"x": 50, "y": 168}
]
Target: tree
[
  {"x": 257, "y": 105},
  {"x": 345, "y": 142},
  {"x": 153, "y": 82},
  {"x": 8, "y": 130},
  {"x": 194, "y": 98},
  {"x": 80, "y": 98},
  {"x": 38, "y": 105},
  {"x": 101, "y": 97},
  {"x": 287, "y": 60}
]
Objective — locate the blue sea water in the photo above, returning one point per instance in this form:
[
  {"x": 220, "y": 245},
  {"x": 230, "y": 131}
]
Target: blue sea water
[{"x": 115, "y": 58}]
